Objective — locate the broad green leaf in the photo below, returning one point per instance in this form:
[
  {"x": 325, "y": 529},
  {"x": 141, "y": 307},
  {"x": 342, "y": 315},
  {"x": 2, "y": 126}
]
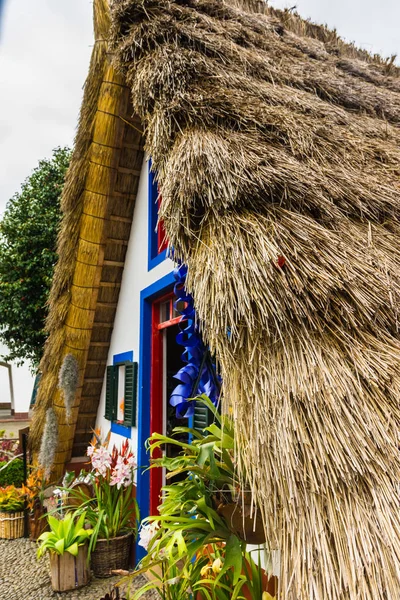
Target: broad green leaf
[
  {"x": 84, "y": 532},
  {"x": 80, "y": 522},
  {"x": 59, "y": 546},
  {"x": 233, "y": 558},
  {"x": 215, "y": 431},
  {"x": 73, "y": 549},
  {"x": 206, "y": 451},
  {"x": 44, "y": 536},
  {"x": 54, "y": 523}
]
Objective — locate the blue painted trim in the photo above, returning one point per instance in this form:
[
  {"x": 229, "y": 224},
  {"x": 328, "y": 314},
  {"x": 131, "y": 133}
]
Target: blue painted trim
[
  {"x": 158, "y": 288},
  {"x": 120, "y": 429},
  {"x": 123, "y": 357},
  {"x": 154, "y": 258},
  {"x": 153, "y": 262}
]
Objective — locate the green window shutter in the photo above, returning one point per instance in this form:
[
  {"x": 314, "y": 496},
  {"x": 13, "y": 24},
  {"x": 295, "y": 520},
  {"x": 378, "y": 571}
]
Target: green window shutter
[
  {"x": 110, "y": 387},
  {"x": 202, "y": 417},
  {"x": 131, "y": 371}
]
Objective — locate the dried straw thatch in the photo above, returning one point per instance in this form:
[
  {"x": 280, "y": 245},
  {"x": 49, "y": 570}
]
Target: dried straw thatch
[
  {"x": 277, "y": 151},
  {"x": 97, "y": 204}
]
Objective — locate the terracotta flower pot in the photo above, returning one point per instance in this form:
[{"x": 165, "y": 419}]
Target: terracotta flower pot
[{"x": 269, "y": 582}]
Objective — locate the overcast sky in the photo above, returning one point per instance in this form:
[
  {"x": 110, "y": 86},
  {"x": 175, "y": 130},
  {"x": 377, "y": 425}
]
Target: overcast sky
[
  {"x": 45, "y": 47},
  {"x": 373, "y": 25}
]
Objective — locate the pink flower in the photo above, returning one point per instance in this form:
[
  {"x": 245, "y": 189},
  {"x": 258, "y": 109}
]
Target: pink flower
[
  {"x": 115, "y": 466},
  {"x": 131, "y": 461},
  {"x": 101, "y": 460},
  {"x": 122, "y": 473}
]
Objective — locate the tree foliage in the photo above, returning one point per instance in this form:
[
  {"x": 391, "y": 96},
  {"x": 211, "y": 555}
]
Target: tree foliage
[{"x": 28, "y": 238}]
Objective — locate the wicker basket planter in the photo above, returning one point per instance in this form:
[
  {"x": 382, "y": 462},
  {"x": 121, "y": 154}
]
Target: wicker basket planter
[
  {"x": 11, "y": 525},
  {"x": 69, "y": 572},
  {"x": 110, "y": 555}
]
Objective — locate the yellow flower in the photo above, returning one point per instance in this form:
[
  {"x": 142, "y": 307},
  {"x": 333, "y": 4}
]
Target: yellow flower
[
  {"x": 217, "y": 566},
  {"x": 267, "y": 596},
  {"x": 204, "y": 570}
]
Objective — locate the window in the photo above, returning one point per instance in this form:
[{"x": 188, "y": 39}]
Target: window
[
  {"x": 202, "y": 418},
  {"x": 158, "y": 243},
  {"x": 168, "y": 314},
  {"x": 121, "y": 390}
]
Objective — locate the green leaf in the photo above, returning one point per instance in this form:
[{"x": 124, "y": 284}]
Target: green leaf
[
  {"x": 59, "y": 546},
  {"x": 54, "y": 523},
  {"x": 84, "y": 532},
  {"x": 73, "y": 549},
  {"x": 215, "y": 431},
  {"x": 80, "y": 522},
  {"x": 44, "y": 536},
  {"x": 233, "y": 558}
]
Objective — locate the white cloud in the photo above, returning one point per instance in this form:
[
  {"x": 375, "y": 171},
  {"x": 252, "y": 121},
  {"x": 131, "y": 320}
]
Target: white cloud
[{"x": 45, "y": 49}]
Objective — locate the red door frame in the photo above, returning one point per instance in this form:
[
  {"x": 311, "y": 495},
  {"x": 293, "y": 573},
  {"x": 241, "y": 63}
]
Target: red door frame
[{"x": 156, "y": 391}]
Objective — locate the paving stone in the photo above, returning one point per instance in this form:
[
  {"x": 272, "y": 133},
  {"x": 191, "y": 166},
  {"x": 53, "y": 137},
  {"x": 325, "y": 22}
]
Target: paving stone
[{"x": 23, "y": 577}]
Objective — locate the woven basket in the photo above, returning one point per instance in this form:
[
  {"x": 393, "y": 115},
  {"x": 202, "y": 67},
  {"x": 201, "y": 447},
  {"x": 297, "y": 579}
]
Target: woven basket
[
  {"x": 110, "y": 555},
  {"x": 11, "y": 525}
]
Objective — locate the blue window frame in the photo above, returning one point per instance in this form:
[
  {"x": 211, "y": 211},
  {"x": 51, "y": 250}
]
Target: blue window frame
[
  {"x": 147, "y": 296},
  {"x": 122, "y": 418},
  {"x": 155, "y": 257}
]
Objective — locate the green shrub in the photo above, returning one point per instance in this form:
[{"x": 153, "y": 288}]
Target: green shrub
[{"x": 13, "y": 474}]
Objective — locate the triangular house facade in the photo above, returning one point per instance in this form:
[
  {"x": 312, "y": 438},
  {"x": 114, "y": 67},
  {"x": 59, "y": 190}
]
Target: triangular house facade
[{"x": 277, "y": 152}]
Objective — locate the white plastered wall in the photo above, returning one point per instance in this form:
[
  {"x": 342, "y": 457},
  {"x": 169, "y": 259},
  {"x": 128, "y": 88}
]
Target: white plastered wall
[{"x": 136, "y": 277}]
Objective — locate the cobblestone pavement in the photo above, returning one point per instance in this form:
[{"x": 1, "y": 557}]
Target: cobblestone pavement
[{"x": 23, "y": 577}]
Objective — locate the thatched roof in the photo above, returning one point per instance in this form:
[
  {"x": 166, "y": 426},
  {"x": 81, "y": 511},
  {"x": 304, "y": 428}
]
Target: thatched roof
[
  {"x": 277, "y": 151},
  {"x": 97, "y": 203}
]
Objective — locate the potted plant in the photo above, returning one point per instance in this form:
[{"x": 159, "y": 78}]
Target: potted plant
[
  {"x": 67, "y": 544},
  {"x": 193, "y": 548},
  {"x": 11, "y": 512},
  {"x": 34, "y": 497},
  {"x": 112, "y": 511},
  {"x": 209, "y": 463}
]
